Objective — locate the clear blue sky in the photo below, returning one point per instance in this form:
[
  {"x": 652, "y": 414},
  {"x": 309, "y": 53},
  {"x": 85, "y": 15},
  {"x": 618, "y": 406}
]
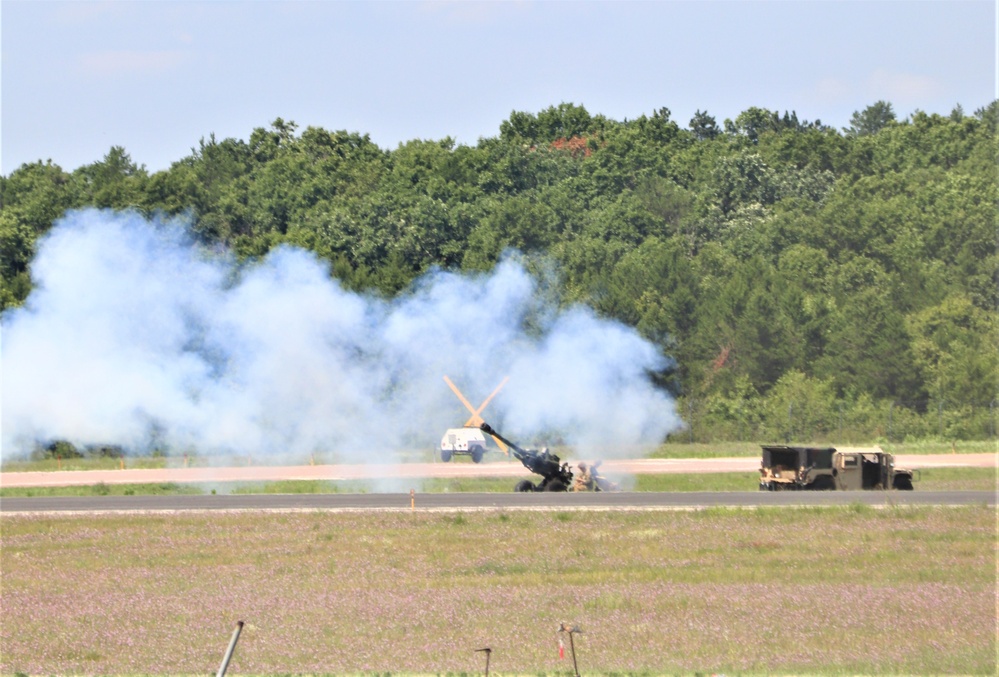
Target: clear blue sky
[{"x": 157, "y": 76}]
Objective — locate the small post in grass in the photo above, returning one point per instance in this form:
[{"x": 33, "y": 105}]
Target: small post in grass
[
  {"x": 228, "y": 652},
  {"x": 487, "y": 651},
  {"x": 571, "y": 629},
  {"x": 412, "y": 499}
]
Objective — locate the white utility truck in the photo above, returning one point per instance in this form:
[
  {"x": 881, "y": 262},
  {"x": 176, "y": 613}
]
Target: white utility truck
[{"x": 469, "y": 440}]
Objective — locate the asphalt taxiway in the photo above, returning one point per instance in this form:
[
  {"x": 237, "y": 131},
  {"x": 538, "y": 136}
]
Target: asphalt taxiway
[{"x": 625, "y": 500}]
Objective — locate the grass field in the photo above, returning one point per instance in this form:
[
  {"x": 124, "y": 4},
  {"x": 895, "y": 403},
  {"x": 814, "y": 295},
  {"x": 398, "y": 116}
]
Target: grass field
[{"x": 780, "y": 591}]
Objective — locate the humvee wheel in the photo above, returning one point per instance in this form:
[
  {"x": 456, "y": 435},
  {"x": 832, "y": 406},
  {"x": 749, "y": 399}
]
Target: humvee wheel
[
  {"x": 902, "y": 482},
  {"x": 477, "y": 453},
  {"x": 823, "y": 483},
  {"x": 445, "y": 455},
  {"x": 524, "y": 485}
]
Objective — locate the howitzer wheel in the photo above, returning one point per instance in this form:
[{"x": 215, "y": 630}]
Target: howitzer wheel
[
  {"x": 524, "y": 485},
  {"x": 555, "y": 485}
]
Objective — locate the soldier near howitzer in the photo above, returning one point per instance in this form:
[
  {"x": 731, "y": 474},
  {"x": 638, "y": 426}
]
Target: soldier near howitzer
[
  {"x": 600, "y": 482},
  {"x": 583, "y": 480}
]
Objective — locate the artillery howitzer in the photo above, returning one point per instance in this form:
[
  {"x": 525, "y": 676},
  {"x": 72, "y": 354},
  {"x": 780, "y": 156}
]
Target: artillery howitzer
[{"x": 555, "y": 476}]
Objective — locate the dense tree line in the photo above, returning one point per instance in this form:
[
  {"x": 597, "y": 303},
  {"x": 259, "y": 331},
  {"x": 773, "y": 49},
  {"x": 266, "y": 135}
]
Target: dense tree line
[{"x": 796, "y": 273}]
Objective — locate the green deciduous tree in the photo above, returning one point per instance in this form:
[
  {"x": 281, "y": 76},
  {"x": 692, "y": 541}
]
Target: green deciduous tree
[
  {"x": 956, "y": 350},
  {"x": 115, "y": 182},
  {"x": 871, "y": 120},
  {"x": 704, "y": 126}
]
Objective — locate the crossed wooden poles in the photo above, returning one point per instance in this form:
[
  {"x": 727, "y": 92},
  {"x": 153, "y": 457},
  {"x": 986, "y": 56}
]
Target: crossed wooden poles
[{"x": 475, "y": 420}]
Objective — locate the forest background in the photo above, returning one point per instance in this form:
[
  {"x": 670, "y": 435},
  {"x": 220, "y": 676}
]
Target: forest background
[{"x": 808, "y": 283}]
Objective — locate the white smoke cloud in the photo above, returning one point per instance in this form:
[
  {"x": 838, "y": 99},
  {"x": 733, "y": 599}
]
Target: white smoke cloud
[{"x": 135, "y": 336}]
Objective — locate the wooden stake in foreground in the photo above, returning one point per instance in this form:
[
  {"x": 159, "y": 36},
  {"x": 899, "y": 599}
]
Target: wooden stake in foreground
[
  {"x": 228, "y": 652},
  {"x": 571, "y": 629},
  {"x": 488, "y": 653}
]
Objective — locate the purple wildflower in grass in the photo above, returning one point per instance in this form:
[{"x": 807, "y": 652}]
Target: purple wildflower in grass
[{"x": 416, "y": 593}]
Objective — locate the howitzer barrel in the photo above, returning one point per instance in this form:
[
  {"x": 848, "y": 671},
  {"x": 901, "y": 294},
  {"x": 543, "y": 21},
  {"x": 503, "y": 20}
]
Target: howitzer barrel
[
  {"x": 541, "y": 463},
  {"x": 489, "y": 430}
]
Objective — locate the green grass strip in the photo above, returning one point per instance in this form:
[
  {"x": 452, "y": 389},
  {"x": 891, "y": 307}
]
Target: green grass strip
[{"x": 932, "y": 479}]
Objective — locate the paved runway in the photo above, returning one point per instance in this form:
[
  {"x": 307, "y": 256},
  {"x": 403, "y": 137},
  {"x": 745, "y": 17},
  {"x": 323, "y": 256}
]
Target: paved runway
[{"x": 490, "y": 501}]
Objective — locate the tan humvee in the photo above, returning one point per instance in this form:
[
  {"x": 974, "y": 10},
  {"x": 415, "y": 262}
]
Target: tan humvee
[{"x": 846, "y": 468}]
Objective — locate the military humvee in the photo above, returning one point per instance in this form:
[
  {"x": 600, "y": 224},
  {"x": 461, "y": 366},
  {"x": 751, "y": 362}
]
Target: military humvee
[{"x": 816, "y": 468}]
